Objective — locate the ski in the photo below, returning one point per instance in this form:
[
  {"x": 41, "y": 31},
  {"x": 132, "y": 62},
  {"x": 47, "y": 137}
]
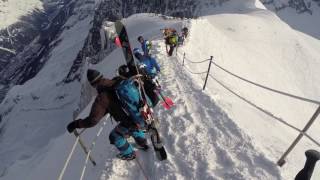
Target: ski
[
  {"x": 123, "y": 40},
  {"x": 158, "y": 147}
]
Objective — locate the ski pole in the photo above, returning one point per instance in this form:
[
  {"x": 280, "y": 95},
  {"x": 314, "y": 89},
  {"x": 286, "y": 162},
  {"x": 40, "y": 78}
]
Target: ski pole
[{"x": 85, "y": 149}]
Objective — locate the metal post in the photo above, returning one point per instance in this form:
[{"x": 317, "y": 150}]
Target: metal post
[
  {"x": 205, "y": 82},
  {"x": 184, "y": 56},
  {"x": 282, "y": 161}
]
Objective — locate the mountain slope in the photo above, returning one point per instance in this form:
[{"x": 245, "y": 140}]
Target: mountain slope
[{"x": 34, "y": 113}]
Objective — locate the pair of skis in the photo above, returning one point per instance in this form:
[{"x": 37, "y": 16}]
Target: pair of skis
[{"x": 123, "y": 41}]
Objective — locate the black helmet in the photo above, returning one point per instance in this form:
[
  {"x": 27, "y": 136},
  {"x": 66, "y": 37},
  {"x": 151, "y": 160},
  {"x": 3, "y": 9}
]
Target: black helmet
[
  {"x": 139, "y": 38},
  {"x": 93, "y": 76},
  {"x": 123, "y": 70}
]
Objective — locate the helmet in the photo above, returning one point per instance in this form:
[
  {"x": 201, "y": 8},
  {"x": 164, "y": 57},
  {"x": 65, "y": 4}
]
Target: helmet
[
  {"x": 93, "y": 76},
  {"x": 139, "y": 38},
  {"x": 123, "y": 70},
  {"x": 137, "y": 53}
]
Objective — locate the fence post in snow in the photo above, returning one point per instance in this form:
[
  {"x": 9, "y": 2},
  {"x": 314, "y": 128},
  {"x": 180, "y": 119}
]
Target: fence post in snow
[
  {"x": 205, "y": 82},
  {"x": 282, "y": 161},
  {"x": 184, "y": 56}
]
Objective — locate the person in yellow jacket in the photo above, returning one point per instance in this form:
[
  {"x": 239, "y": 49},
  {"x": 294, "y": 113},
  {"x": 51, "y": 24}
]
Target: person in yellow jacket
[{"x": 171, "y": 39}]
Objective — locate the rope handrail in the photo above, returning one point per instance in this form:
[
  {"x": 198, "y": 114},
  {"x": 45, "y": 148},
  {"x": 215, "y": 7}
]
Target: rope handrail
[
  {"x": 92, "y": 146},
  {"x": 267, "y": 88},
  {"x": 195, "y": 72},
  {"x": 88, "y": 154},
  {"x": 302, "y": 132},
  {"x": 266, "y": 112},
  {"x": 194, "y": 62},
  {"x": 69, "y": 156},
  {"x": 68, "y": 159},
  {"x": 256, "y": 84}
]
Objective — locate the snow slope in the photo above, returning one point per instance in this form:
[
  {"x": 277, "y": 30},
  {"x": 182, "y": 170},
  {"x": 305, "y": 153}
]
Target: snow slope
[
  {"x": 258, "y": 46},
  {"x": 36, "y": 112},
  {"x": 12, "y": 10},
  {"x": 306, "y": 22}
]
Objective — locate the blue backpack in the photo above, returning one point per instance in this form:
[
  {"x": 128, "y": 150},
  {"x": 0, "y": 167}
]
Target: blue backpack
[{"x": 128, "y": 94}]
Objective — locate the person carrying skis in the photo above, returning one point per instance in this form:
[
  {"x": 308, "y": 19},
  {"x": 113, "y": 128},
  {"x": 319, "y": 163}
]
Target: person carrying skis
[
  {"x": 145, "y": 45},
  {"x": 149, "y": 68},
  {"x": 171, "y": 39},
  {"x": 111, "y": 98}
]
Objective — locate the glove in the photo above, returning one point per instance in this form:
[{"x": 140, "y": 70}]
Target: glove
[{"x": 72, "y": 126}]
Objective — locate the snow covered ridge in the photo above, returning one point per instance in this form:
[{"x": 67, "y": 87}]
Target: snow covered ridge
[
  {"x": 33, "y": 43},
  {"x": 302, "y": 15},
  {"x": 300, "y": 6},
  {"x": 12, "y": 10},
  {"x": 36, "y": 112}
]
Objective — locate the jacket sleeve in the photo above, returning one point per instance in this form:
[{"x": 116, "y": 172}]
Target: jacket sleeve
[
  {"x": 155, "y": 64},
  {"x": 144, "y": 48},
  {"x": 98, "y": 111}
]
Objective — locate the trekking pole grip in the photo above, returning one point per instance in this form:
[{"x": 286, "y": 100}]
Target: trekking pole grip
[
  {"x": 312, "y": 157},
  {"x": 205, "y": 82}
]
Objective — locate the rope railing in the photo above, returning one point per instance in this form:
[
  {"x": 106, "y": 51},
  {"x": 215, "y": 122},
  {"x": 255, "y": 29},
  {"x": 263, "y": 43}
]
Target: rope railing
[
  {"x": 92, "y": 146},
  {"x": 69, "y": 157},
  {"x": 302, "y": 133},
  {"x": 267, "y": 88},
  {"x": 196, "y": 62},
  {"x": 204, "y": 72},
  {"x": 87, "y": 154},
  {"x": 265, "y": 111},
  {"x": 190, "y": 71}
]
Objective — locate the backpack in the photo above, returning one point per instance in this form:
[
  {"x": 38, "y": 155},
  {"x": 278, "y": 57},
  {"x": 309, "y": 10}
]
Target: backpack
[
  {"x": 173, "y": 39},
  {"x": 128, "y": 94}
]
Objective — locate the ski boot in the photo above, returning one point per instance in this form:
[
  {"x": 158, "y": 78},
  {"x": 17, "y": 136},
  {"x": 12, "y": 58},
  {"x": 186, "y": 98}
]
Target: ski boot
[{"x": 127, "y": 157}]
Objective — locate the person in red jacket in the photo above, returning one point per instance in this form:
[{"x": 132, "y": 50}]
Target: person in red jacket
[{"x": 107, "y": 102}]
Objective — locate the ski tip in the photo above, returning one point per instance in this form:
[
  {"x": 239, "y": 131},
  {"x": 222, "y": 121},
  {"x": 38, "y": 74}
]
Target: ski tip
[{"x": 117, "y": 41}]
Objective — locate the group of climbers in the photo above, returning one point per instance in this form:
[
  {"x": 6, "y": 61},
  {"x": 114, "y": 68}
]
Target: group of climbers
[{"x": 127, "y": 98}]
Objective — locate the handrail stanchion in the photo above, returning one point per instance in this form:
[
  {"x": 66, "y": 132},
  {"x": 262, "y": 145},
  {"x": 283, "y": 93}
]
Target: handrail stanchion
[
  {"x": 282, "y": 161},
  {"x": 184, "y": 56},
  {"x": 205, "y": 82}
]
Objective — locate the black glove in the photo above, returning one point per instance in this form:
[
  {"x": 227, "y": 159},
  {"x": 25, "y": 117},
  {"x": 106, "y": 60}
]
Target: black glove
[{"x": 72, "y": 126}]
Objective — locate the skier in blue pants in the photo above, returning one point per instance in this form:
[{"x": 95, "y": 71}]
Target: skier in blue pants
[{"x": 109, "y": 101}]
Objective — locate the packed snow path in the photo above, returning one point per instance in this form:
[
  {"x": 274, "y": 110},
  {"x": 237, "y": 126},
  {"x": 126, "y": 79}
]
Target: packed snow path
[{"x": 202, "y": 142}]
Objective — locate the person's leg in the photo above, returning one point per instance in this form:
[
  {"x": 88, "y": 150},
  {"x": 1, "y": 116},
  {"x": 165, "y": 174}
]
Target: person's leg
[
  {"x": 171, "y": 50},
  {"x": 140, "y": 138},
  {"x": 118, "y": 138},
  {"x": 136, "y": 115}
]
